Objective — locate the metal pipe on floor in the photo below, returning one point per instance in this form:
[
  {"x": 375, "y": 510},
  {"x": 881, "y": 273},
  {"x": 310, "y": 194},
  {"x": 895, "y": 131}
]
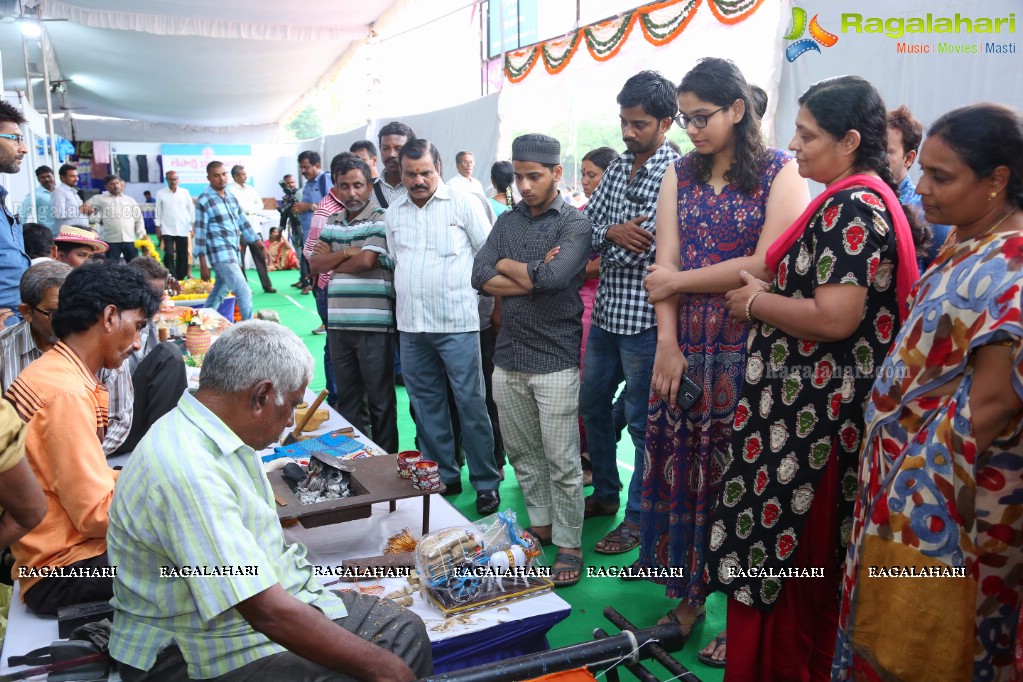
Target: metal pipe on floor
[
  {"x": 641, "y": 673},
  {"x": 655, "y": 649},
  {"x": 627, "y": 647}
]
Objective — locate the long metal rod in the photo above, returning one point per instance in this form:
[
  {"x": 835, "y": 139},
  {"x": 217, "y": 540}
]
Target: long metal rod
[
  {"x": 49, "y": 104},
  {"x": 637, "y": 669},
  {"x": 626, "y": 647},
  {"x": 655, "y": 649}
]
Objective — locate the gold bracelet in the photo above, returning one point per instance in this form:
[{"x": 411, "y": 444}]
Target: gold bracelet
[{"x": 749, "y": 304}]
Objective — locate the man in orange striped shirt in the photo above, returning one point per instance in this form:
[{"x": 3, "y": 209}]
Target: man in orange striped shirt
[{"x": 101, "y": 310}]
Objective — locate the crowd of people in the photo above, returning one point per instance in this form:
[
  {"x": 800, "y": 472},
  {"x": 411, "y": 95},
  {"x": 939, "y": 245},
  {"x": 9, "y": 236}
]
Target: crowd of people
[{"x": 824, "y": 396}]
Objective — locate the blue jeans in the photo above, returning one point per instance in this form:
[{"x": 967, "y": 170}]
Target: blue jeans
[
  {"x": 426, "y": 359},
  {"x": 608, "y": 354},
  {"x": 229, "y": 278}
]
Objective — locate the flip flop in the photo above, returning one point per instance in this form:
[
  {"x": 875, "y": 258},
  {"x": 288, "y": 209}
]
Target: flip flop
[
  {"x": 575, "y": 563},
  {"x": 626, "y": 539},
  {"x": 719, "y": 641},
  {"x": 670, "y": 615}
]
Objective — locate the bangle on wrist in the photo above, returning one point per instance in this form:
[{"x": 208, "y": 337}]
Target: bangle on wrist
[{"x": 749, "y": 304}]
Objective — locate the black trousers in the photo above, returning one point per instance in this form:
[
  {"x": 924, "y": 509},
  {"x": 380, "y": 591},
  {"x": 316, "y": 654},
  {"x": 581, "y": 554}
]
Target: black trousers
[
  {"x": 488, "y": 342},
  {"x": 159, "y": 381},
  {"x": 175, "y": 256},
  {"x": 363, "y": 364},
  {"x": 50, "y": 594},
  {"x": 259, "y": 257},
  {"x": 127, "y": 249}
]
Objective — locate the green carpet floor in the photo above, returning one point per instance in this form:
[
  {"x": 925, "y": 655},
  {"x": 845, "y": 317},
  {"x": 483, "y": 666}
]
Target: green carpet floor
[{"x": 641, "y": 602}]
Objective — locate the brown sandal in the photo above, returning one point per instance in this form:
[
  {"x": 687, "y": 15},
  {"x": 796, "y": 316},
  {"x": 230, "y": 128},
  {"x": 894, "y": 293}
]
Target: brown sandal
[
  {"x": 594, "y": 507},
  {"x": 626, "y": 538}
]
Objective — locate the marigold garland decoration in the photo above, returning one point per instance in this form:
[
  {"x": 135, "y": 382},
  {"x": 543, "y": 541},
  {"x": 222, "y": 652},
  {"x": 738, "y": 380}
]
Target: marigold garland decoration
[
  {"x": 519, "y": 63},
  {"x": 605, "y": 39},
  {"x": 733, "y": 11},
  {"x": 558, "y": 53},
  {"x": 660, "y": 23}
]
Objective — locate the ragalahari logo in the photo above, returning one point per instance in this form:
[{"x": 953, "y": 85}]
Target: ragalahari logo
[{"x": 817, "y": 35}]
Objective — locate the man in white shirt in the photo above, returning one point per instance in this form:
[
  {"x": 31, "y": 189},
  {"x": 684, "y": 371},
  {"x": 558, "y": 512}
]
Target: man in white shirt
[
  {"x": 66, "y": 205},
  {"x": 120, "y": 219},
  {"x": 433, "y": 233},
  {"x": 465, "y": 162},
  {"x": 252, "y": 204},
  {"x": 173, "y": 215}
]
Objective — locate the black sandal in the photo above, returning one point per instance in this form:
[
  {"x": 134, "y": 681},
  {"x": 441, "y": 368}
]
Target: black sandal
[{"x": 573, "y": 563}]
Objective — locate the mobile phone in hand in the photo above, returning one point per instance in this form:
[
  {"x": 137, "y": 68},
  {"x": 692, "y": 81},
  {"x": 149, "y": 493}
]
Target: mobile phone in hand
[{"x": 688, "y": 394}]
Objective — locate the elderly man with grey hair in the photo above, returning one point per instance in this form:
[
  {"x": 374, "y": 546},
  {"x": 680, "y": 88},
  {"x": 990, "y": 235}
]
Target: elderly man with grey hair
[
  {"x": 194, "y": 500},
  {"x": 29, "y": 339}
]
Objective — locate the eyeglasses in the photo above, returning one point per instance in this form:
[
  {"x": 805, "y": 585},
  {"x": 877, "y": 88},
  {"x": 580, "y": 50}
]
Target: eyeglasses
[
  {"x": 698, "y": 120},
  {"x": 18, "y": 139},
  {"x": 45, "y": 313}
]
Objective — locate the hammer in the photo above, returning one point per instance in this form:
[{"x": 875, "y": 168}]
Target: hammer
[{"x": 293, "y": 436}]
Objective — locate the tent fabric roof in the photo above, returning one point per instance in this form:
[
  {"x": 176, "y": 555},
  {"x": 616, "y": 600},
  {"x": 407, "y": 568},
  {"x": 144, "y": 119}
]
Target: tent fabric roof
[{"x": 191, "y": 62}]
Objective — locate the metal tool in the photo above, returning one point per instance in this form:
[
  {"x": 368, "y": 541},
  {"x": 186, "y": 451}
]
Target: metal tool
[{"x": 293, "y": 436}]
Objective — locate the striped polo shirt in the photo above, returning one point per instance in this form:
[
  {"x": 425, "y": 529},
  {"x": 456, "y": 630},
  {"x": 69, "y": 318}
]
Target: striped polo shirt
[
  {"x": 193, "y": 532},
  {"x": 361, "y": 301}
]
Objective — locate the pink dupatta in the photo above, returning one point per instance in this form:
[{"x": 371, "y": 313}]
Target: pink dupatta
[{"x": 908, "y": 272}]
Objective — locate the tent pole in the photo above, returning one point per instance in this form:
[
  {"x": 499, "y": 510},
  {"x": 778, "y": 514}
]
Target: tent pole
[
  {"x": 30, "y": 137},
  {"x": 49, "y": 105},
  {"x": 28, "y": 76}
]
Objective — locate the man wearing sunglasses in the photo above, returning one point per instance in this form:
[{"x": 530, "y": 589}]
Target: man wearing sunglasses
[{"x": 13, "y": 259}]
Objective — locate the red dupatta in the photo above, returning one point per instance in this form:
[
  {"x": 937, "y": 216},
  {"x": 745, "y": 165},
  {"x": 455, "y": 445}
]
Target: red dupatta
[{"x": 908, "y": 272}]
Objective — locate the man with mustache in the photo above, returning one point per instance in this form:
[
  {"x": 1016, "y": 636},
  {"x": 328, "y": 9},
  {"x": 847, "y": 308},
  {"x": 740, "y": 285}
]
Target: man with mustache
[
  {"x": 388, "y": 188},
  {"x": 44, "y": 197},
  {"x": 623, "y": 331},
  {"x": 433, "y": 233},
  {"x": 101, "y": 311},
  {"x": 360, "y": 294}
]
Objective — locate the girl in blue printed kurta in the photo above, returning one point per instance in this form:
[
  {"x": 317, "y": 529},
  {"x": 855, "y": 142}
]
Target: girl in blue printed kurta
[{"x": 720, "y": 207}]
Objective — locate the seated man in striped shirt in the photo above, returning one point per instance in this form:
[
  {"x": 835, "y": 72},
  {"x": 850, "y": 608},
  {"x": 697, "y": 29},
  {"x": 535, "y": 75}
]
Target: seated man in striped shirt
[
  {"x": 360, "y": 302},
  {"x": 101, "y": 310},
  {"x": 207, "y": 587}
]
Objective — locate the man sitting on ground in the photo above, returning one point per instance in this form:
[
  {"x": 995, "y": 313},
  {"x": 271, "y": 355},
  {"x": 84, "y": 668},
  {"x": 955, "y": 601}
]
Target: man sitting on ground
[
  {"x": 211, "y": 506},
  {"x": 76, "y": 245},
  {"x": 102, "y": 309}
]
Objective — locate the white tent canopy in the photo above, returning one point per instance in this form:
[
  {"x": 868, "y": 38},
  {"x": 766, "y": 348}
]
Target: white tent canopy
[{"x": 186, "y": 63}]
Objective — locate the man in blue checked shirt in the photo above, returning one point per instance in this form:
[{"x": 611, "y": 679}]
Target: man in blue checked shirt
[{"x": 219, "y": 221}]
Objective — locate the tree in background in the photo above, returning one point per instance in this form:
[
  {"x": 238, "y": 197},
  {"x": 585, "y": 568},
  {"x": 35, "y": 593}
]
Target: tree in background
[{"x": 306, "y": 125}]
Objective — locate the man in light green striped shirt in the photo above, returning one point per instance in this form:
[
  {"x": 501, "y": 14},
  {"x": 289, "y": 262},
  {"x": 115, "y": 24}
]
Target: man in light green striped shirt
[{"x": 206, "y": 585}]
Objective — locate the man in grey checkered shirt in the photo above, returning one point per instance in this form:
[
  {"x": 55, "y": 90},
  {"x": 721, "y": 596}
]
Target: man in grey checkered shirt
[{"x": 623, "y": 334}]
